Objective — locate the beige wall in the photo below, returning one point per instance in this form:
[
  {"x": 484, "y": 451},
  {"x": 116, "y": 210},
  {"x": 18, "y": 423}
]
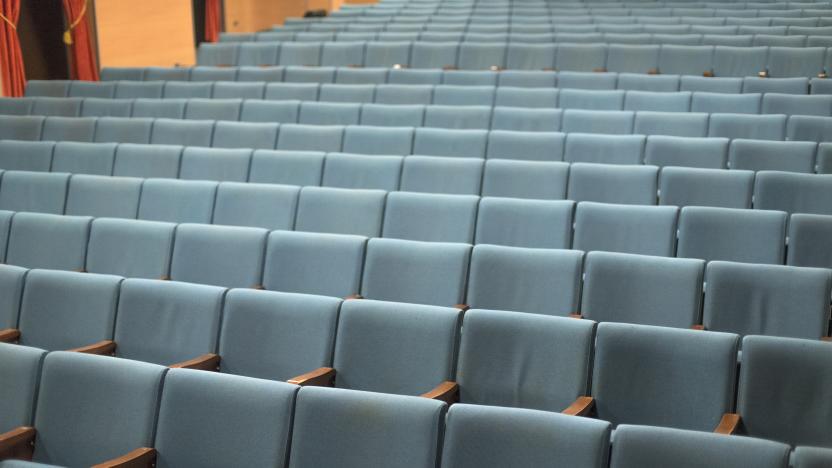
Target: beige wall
[
  {"x": 257, "y": 15},
  {"x": 145, "y": 33}
]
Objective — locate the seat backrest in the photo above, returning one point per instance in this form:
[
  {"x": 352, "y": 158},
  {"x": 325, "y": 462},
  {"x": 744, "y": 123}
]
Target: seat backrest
[
  {"x": 340, "y": 211},
  {"x": 525, "y": 179},
  {"x": 756, "y": 127},
  {"x": 18, "y": 155},
  {"x": 215, "y": 164},
  {"x": 757, "y": 155},
  {"x": 365, "y": 429},
  {"x": 420, "y": 272},
  {"x": 745, "y": 103},
  {"x": 445, "y": 142},
  {"x": 598, "y": 121},
  {"x": 645, "y": 230},
  {"x": 130, "y": 248},
  {"x": 686, "y": 186},
  {"x": 606, "y": 149},
  {"x": 39, "y": 192},
  {"x": 641, "y": 289},
  {"x": 177, "y": 201},
  {"x": 246, "y": 412},
  {"x": 276, "y": 336},
  {"x": 287, "y": 167},
  {"x": 775, "y": 372},
  {"x": 691, "y": 391},
  {"x": 793, "y": 193},
  {"x": 65, "y": 310},
  {"x": 392, "y": 347},
  {"x": 188, "y": 313},
  {"x": 608, "y": 183},
  {"x": 268, "y": 206},
  {"x": 20, "y": 369},
  {"x": 160, "y": 108},
  {"x": 103, "y": 196},
  {"x": 688, "y": 152},
  {"x": 180, "y": 132},
  {"x": 537, "y": 146},
  {"x": 525, "y": 280},
  {"x": 524, "y": 360},
  {"x": 84, "y": 158},
  {"x": 807, "y": 245},
  {"x": 751, "y": 236},
  {"x": 228, "y": 256},
  {"x": 48, "y": 241},
  {"x": 78, "y": 393},
  {"x": 437, "y": 174},
  {"x": 245, "y": 135},
  {"x": 485, "y": 436},
  {"x": 11, "y": 287},
  {"x": 21, "y": 127},
  {"x": 644, "y": 446},
  {"x": 134, "y": 160},
  {"x": 310, "y": 137},
  {"x": 430, "y": 217},
  {"x": 123, "y": 130},
  {"x": 360, "y": 171},
  {"x": 767, "y": 300}
]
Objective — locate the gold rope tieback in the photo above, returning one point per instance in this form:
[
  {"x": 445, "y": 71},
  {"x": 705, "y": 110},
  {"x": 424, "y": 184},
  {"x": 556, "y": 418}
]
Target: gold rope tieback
[
  {"x": 3, "y": 17},
  {"x": 74, "y": 24}
]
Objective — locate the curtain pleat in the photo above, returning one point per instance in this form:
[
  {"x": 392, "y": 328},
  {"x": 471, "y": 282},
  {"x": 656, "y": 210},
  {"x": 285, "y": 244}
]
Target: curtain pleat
[
  {"x": 12, "y": 72},
  {"x": 83, "y": 64}
]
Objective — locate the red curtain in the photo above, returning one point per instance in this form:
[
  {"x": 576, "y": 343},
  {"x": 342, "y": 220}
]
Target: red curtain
[
  {"x": 83, "y": 65},
  {"x": 12, "y": 73},
  {"x": 212, "y": 20}
]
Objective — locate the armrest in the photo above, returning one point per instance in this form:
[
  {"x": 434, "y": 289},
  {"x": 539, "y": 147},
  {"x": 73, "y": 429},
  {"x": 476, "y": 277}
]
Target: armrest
[
  {"x": 729, "y": 424},
  {"x": 599, "y": 70},
  {"x": 164, "y": 278},
  {"x": 449, "y": 67},
  {"x": 320, "y": 377},
  {"x": 462, "y": 307},
  {"x": 353, "y": 297},
  {"x": 653, "y": 71},
  {"x": 18, "y": 443},
  {"x": 823, "y": 75},
  {"x": 763, "y": 74},
  {"x": 576, "y": 316},
  {"x": 206, "y": 362},
  {"x": 9, "y": 335},
  {"x": 447, "y": 391},
  {"x": 140, "y": 458},
  {"x": 698, "y": 327},
  {"x": 106, "y": 347},
  {"x": 580, "y": 407},
  {"x": 823, "y": 338},
  {"x": 708, "y": 74},
  {"x": 258, "y": 286}
]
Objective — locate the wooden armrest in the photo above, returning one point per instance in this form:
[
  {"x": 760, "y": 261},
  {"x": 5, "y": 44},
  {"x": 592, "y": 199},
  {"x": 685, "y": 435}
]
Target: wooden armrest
[
  {"x": 763, "y": 74},
  {"x": 826, "y": 338},
  {"x": 259, "y": 287},
  {"x": 104, "y": 348},
  {"x": 580, "y": 407},
  {"x": 140, "y": 458},
  {"x": 398, "y": 66},
  {"x": 653, "y": 71},
  {"x": 462, "y": 307},
  {"x": 495, "y": 68},
  {"x": 729, "y": 424},
  {"x": 165, "y": 278},
  {"x": 823, "y": 75},
  {"x": 10, "y": 335},
  {"x": 449, "y": 67},
  {"x": 599, "y": 70},
  {"x": 320, "y": 377},
  {"x": 708, "y": 74},
  {"x": 576, "y": 316},
  {"x": 352, "y": 297},
  {"x": 206, "y": 362},
  {"x": 447, "y": 391},
  {"x": 698, "y": 327},
  {"x": 17, "y": 443},
  {"x": 549, "y": 69},
  {"x": 80, "y": 270}
]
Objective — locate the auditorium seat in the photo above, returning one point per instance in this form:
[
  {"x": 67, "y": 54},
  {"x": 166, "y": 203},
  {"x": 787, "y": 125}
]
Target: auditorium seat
[
  {"x": 57, "y": 107},
  {"x": 16, "y": 106},
  {"x": 159, "y": 108},
  {"x": 21, "y": 127},
  {"x": 775, "y": 377},
  {"x": 807, "y": 245},
  {"x": 795, "y": 61},
  {"x": 455, "y": 117},
  {"x": 181, "y": 132},
  {"x": 65, "y": 310},
  {"x": 685, "y": 60},
  {"x": 123, "y": 130},
  {"x": 20, "y": 368},
  {"x": 292, "y": 91},
  {"x": 361, "y": 429},
  {"x": 35, "y": 156},
  {"x": 177, "y": 201},
  {"x": 340, "y": 211},
  {"x": 137, "y": 89},
  {"x": 310, "y": 137},
  {"x": 188, "y": 312},
  {"x": 775, "y": 103},
  {"x": 286, "y": 167},
  {"x": 487, "y": 436},
  {"x": 525, "y": 280},
  {"x": 326, "y": 113},
  {"x": 522, "y": 179},
  {"x": 313, "y": 263},
  {"x": 228, "y": 256},
  {"x": 83, "y": 158},
  {"x": 688, "y": 152},
  {"x": 433, "y": 54},
  {"x": 482, "y": 55},
  {"x": 757, "y": 127},
  {"x": 756, "y": 155},
  {"x": 609, "y": 183},
  {"x": 213, "y": 109},
  {"x": 147, "y": 161},
  {"x": 106, "y": 107},
  {"x": 793, "y": 193},
  {"x": 250, "y": 421},
  {"x": 525, "y": 146},
  {"x": 130, "y": 248},
  {"x": 545, "y": 223},
  {"x": 652, "y": 447},
  {"x": 716, "y": 102},
  {"x": 642, "y": 289},
  {"x": 215, "y": 164},
  {"x": 267, "y": 206},
  {"x": 455, "y": 95},
  {"x": 751, "y": 236},
  {"x": 511, "y": 96},
  {"x": 430, "y": 217},
  {"x": 693, "y": 390},
  {"x": 378, "y": 140},
  {"x": 606, "y": 149},
  {"x": 245, "y": 135},
  {"x": 356, "y": 93},
  {"x": 646, "y": 230},
  {"x": 190, "y": 90},
  {"x": 11, "y": 285},
  {"x": 300, "y": 53},
  {"x": 684, "y": 186},
  {"x": 259, "y": 336},
  {"x": 596, "y": 121},
  {"x": 387, "y": 53},
  {"x": 767, "y": 300},
  {"x": 775, "y": 85},
  {"x": 51, "y": 88},
  {"x": 101, "y": 196},
  {"x": 811, "y": 457},
  {"x": 257, "y": 54},
  {"x": 418, "y": 272},
  {"x": 435, "y": 174},
  {"x": 591, "y": 99},
  {"x": 739, "y": 61},
  {"x": 359, "y": 171},
  {"x": 809, "y": 128},
  {"x": 69, "y": 129},
  {"x": 75, "y": 384},
  {"x": 580, "y": 57},
  {"x": 39, "y": 240}
]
